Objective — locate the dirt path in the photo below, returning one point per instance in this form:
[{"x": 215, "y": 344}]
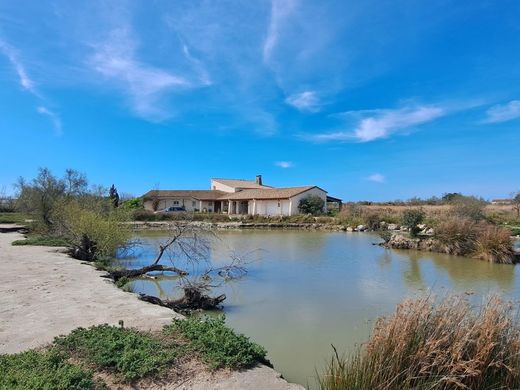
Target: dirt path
[{"x": 45, "y": 293}]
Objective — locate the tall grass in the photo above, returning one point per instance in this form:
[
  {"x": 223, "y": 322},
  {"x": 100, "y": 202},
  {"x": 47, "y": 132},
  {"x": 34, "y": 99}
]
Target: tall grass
[
  {"x": 428, "y": 345},
  {"x": 465, "y": 237}
]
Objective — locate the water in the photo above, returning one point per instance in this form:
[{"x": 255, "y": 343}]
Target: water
[{"x": 307, "y": 290}]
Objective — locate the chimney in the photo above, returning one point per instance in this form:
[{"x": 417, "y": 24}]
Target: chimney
[{"x": 259, "y": 179}]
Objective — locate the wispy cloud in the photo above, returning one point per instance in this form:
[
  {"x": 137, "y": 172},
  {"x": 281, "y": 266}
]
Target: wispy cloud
[
  {"x": 280, "y": 10},
  {"x": 304, "y": 101},
  {"x": 284, "y": 164},
  {"x": 54, "y": 118},
  {"x": 12, "y": 56},
  {"x": 116, "y": 60},
  {"x": 377, "y": 124},
  {"x": 376, "y": 178},
  {"x": 503, "y": 112}
]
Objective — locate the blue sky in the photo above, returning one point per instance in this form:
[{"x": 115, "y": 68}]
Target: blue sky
[{"x": 368, "y": 99}]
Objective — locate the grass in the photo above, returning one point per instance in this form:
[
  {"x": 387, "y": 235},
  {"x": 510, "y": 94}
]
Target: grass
[
  {"x": 435, "y": 345},
  {"x": 219, "y": 345},
  {"x": 18, "y": 218},
  {"x": 47, "y": 370},
  {"x": 127, "y": 353},
  {"x": 42, "y": 240}
]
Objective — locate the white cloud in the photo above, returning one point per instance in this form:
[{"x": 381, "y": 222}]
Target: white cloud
[
  {"x": 115, "y": 59},
  {"x": 503, "y": 112},
  {"x": 383, "y": 123},
  {"x": 377, "y": 178},
  {"x": 19, "y": 68},
  {"x": 304, "y": 101},
  {"x": 284, "y": 164},
  {"x": 54, "y": 118},
  {"x": 280, "y": 10}
]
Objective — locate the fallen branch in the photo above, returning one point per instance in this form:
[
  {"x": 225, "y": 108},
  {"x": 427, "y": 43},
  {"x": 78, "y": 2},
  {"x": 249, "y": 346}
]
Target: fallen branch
[
  {"x": 193, "y": 299},
  {"x": 133, "y": 273}
]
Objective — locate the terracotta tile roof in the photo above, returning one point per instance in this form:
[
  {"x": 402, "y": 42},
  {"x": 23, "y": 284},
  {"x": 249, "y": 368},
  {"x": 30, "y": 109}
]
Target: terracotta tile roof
[
  {"x": 270, "y": 193},
  {"x": 195, "y": 194},
  {"x": 240, "y": 183}
]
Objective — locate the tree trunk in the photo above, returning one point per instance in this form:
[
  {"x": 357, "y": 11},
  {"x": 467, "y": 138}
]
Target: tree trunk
[
  {"x": 193, "y": 299},
  {"x": 133, "y": 273}
]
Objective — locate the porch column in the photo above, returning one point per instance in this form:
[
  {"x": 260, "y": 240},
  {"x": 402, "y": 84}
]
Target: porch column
[
  {"x": 290, "y": 207},
  {"x": 229, "y": 207},
  {"x": 254, "y": 206},
  {"x": 200, "y": 206}
]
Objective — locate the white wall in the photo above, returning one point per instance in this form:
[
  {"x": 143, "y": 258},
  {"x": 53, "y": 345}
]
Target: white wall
[
  {"x": 313, "y": 191},
  {"x": 215, "y": 185},
  {"x": 190, "y": 204}
]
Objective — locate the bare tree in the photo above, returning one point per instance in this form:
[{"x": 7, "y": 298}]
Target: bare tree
[{"x": 516, "y": 203}]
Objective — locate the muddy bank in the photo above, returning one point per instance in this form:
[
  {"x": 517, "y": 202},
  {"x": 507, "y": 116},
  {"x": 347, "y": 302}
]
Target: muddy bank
[{"x": 45, "y": 293}]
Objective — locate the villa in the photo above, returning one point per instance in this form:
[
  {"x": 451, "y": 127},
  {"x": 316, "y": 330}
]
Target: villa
[{"x": 235, "y": 196}]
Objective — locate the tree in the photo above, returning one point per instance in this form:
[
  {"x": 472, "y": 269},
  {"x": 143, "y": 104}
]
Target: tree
[
  {"x": 114, "y": 196},
  {"x": 411, "y": 218},
  {"x": 516, "y": 203},
  {"x": 469, "y": 207},
  {"x": 312, "y": 204}
]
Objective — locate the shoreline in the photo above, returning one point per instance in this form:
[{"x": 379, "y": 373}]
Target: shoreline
[{"x": 45, "y": 293}]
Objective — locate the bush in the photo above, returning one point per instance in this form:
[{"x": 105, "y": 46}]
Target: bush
[
  {"x": 411, "y": 218},
  {"x": 43, "y": 370},
  {"x": 457, "y": 236},
  {"x": 91, "y": 234},
  {"x": 469, "y": 207},
  {"x": 425, "y": 345},
  {"x": 494, "y": 244},
  {"x": 312, "y": 204},
  {"x": 219, "y": 345},
  {"x": 133, "y": 204},
  {"x": 128, "y": 353}
]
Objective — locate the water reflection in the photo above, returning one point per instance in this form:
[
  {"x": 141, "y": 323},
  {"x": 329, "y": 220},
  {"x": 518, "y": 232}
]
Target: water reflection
[{"x": 306, "y": 290}]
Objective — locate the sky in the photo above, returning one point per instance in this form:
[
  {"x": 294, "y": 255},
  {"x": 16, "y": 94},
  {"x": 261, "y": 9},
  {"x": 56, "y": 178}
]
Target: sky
[{"x": 368, "y": 99}]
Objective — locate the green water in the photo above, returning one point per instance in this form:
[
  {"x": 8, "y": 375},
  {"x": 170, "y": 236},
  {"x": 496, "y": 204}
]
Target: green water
[{"x": 307, "y": 290}]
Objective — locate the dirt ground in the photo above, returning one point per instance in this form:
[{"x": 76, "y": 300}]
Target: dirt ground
[{"x": 45, "y": 293}]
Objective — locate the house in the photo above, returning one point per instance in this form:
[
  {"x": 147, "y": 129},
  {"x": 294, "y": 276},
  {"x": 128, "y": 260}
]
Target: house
[
  {"x": 235, "y": 196},
  {"x": 502, "y": 201}
]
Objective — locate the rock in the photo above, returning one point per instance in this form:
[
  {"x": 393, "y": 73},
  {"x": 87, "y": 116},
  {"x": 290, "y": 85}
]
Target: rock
[
  {"x": 361, "y": 228},
  {"x": 350, "y": 229},
  {"x": 393, "y": 226},
  {"x": 429, "y": 231},
  {"x": 421, "y": 226},
  {"x": 404, "y": 229},
  {"x": 382, "y": 224}
]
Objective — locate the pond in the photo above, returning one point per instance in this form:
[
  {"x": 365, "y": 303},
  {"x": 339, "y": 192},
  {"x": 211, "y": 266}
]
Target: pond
[{"x": 307, "y": 290}]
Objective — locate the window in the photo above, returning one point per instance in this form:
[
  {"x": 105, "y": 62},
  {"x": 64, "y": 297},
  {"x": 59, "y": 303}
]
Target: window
[
  {"x": 193, "y": 204},
  {"x": 176, "y": 202},
  {"x": 278, "y": 204}
]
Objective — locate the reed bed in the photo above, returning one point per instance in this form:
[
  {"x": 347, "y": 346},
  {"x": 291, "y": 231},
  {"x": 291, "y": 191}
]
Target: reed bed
[{"x": 429, "y": 344}]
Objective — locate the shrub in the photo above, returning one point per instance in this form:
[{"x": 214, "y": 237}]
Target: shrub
[
  {"x": 90, "y": 233},
  {"x": 425, "y": 345},
  {"x": 219, "y": 345},
  {"x": 469, "y": 207},
  {"x": 129, "y": 353},
  {"x": 494, "y": 244},
  {"x": 43, "y": 370},
  {"x": 411, "y": 218},
  {"x": 457, "y": 236},
  {"x": 133, "y": 204},
  {"x": 312, "y": 204}
]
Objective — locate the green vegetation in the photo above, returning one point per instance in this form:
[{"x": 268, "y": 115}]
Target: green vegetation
[
  {"x": 36, "y": 239},
  {"x": 126, "y": 352},
  {"x": 219, "y": 345},
  {"x": 48, "y": 370},
  {"x": 312, "y": 204},
  {"x": 9, "y": 217},
  {"x": 429, "y": 345},
  {"x": 411, "y": 218}
]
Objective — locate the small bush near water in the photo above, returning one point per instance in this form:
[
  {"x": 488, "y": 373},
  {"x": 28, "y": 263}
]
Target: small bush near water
[
  {"x": 43, "y": 370},
  {"x": 219, "y": 345},
  {"x": 126, "y": 352},
  {"x": 429, "y": 345}
]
